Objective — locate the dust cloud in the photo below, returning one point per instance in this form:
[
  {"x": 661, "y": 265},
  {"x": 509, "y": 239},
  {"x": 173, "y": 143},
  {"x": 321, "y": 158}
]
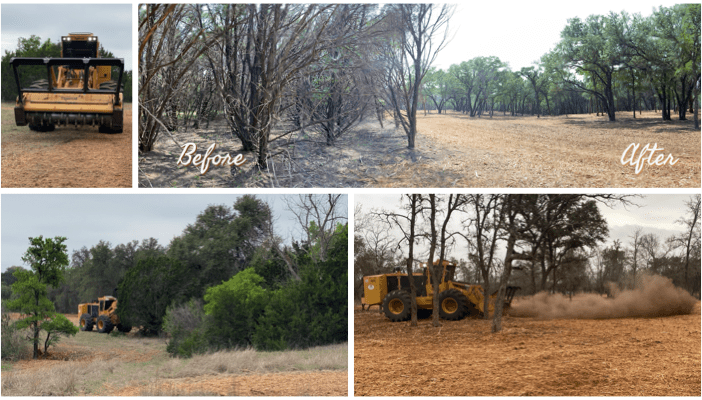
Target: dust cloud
[{"x": 654, "y": 296}]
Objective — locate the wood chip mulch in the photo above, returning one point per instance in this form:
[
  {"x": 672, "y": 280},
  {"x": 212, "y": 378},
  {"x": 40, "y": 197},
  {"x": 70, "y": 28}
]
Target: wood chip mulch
[{"x": 614, "y": 357}]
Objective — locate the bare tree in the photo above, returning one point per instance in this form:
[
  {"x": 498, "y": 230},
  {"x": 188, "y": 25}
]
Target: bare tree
[
  {"x": 485, "y": 222},
  {"x": 512, "y": 211},
  {"x": 407, "y": 223},
  {"x": 267, "y": 49},
  {"x": 691, "y": 237},
  {"x": 169, "y": 45},
  {"x": 422, "y": 32},
  {"x": 373, "y": 247},
  {"x": 318, "y": 216},
  {"x": 651, "y": 246},
  {"x": 636, "y": 247}
]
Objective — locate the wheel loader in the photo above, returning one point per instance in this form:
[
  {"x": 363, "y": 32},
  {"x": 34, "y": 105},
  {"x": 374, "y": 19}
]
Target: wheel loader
[
  {"x": 456, "y": 299},
  {"x": 78, "y": 90},
  {"x": 101, "y": 314}
]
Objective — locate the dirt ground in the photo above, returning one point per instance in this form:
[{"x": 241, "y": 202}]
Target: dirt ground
[
  {"x": 611, "y": 357},
  {"x": 67, "y": 157},
  {"x": 452, "y": 150},
  {"x": 149, "y": 355}
]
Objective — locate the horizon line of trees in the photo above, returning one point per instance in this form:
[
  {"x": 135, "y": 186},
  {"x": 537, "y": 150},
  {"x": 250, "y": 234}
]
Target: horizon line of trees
[
  {"x": 603, "y": 64},
  {"x": 543, "y": 242}
]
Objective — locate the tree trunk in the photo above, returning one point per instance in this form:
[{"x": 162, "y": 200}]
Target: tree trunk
[
  {"x": 414, "y": 200},
  {"x": 697, "y": 107},
  {"x": 500, "y": 299},
  {"x": 434, "y": 271}
]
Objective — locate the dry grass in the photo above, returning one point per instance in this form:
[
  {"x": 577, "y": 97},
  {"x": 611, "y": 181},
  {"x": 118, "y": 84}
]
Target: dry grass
[
  {"x": 560, "y": 357},
  {"x": 323, "y": 358},
  {"x": 95, "y": 364}
]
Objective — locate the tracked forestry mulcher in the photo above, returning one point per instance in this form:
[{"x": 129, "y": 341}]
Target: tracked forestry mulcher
[
  {"x": 456, "y": 299},
  {"x": 101, "y": 314},
  {"x": 79, "y": 88}
]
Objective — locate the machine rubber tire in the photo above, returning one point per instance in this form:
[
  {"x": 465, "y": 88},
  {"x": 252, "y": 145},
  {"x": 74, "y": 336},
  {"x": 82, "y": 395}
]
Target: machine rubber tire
[
  {"x": 104, "y": 324},
  {"x": 452, "y": 304},
  {"x": 124, "y": 328},
  {"x": 397, "y": 306},
  {"x": 86, "y": 322}
]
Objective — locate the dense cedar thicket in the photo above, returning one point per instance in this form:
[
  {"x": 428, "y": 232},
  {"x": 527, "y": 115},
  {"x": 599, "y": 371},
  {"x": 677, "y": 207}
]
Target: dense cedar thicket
[
  {"x": 226, "y": 281},
  {"x": 249, "y": 311},
  {"x": 33, "y": 47},
  {"x": 538, "y": 242},
  {"x": 278, "y": 73}
]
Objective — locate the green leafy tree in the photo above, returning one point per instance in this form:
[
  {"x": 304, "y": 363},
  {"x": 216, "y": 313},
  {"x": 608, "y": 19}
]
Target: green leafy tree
[
  {"x": 222, "y": 241},
  {"x": 271, "y": 267},
  {"x": 148, "y": 289},
  {"x": 8, "y": 277},
  {"x": 127, "y": 92},
  {"x": 312, "y": 311},
  {"x": 235, "y": 307},
  {"x": 592, "y": 49},
  {"x": 679, "y": 28},
  {"x": 26, "y": 47},
  {"x": 185, "y": 325},
  {"x": 56, "y": 327},
  {"x": 33, "y": 303},
  {"x": 48, "y": 259},
  {"x": 438, "y": 86}
]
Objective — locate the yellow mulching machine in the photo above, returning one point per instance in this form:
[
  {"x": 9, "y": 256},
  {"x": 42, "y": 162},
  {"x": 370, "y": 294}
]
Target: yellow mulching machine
[
  {"x": 456, "y": 299},
  {"x": 101, "y": 314},
  {"x": 78, "y": 90}
]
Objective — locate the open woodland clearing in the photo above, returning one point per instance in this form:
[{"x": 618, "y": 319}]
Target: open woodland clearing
[
  {"x": 105, "y": 365},
  {"x": 452, "y": 150},
  {"x": 66, "y": 157},
  {"x": 559, "y": 357}
]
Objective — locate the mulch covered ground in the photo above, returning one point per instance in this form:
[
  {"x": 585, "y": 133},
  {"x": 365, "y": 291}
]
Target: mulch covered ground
[
  {"x": 564, "y": 151},
  {"x": 612, "y": 357},
  {"x": 66, "y": 157}
]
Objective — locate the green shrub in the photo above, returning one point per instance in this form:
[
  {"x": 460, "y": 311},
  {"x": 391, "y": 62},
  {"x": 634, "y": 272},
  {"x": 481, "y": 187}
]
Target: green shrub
[
  {"x": 195, "y": 343},
  {"x": 14, "y": 345},
  {"x": 184, "y": 325},
  {"x": 58, "y": 325},
  {"x": 117, "y": 333},
  {"x": 312, "y": 311},
  {"x": 235, "y": 307}
]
